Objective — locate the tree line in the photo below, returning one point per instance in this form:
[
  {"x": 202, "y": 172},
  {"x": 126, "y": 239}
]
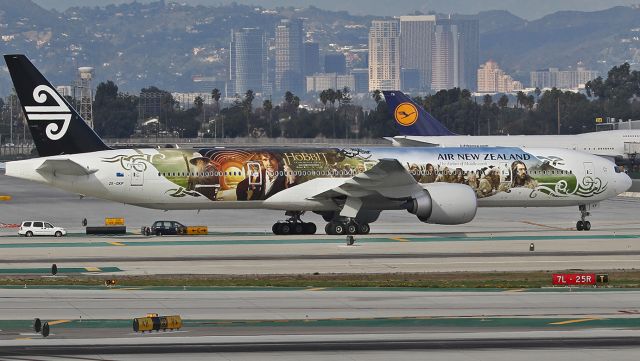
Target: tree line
[{"x": 117, "y": 114}]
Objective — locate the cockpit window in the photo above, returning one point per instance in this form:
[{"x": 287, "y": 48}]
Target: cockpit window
[{"x": 618, "y": 169}]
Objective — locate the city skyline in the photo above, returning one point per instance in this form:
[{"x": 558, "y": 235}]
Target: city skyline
[{"x": 525, "y": 10}]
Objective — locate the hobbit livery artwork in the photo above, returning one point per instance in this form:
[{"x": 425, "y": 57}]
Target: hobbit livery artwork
[{"x": 349, "y": 187}]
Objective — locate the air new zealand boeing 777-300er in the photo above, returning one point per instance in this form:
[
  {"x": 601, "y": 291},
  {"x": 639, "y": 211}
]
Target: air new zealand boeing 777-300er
[{"x": 349, "y": 187}]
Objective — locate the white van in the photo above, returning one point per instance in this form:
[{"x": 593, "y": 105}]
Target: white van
[{"x": 40, "y": 228}]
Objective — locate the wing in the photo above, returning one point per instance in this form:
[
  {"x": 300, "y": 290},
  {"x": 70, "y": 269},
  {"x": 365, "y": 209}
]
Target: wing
[
  {"x": 404, "y": 141},
  {"x": 387, "y": 180},
  {"x": 64, "y": 166}
]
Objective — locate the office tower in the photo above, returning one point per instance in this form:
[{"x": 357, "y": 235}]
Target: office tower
[
  {"x": 311, "y": 58},
  {"x": 360, "y": 81},
  {"x": 289, "y": 56},
  {"x": 445, "y": 56},
  {"x": 416, "y": 40},
  {"x": 468, "y": 49},
  {"x": 410, "y": 80},
  {"x": 335, "y": 63},
  {"x": 248, "y": 61},
  {"x": 384, "y": 55}
]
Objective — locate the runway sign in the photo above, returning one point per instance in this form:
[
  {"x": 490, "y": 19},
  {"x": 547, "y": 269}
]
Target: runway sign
[{"x": 574, "y": 279}]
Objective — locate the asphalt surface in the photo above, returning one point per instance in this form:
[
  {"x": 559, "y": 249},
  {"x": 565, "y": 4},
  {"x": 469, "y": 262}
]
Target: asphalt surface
[{"x": 315, "y": 323}]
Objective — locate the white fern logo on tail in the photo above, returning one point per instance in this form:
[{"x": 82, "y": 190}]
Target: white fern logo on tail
[{"x": 50, "y": 113}]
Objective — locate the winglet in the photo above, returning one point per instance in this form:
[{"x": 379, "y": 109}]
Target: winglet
[{"x": 411, "y": 118}]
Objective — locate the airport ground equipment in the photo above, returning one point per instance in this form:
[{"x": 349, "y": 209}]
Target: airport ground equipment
[
  {"x": 107, "y": 230},
  {"x": 200, "y": 230},
  {"x": 154, "y": 322},
  {"x": 110, "y": 221},
  {"x": 163, "y": 228}
]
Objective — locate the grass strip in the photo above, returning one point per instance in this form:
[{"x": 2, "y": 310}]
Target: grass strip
[{"x": 452, "y": 280}]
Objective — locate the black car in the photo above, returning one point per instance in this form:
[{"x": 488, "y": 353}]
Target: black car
[{"x": 161, "y": 228}]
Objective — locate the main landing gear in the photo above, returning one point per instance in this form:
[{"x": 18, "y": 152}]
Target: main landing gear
[
  {"x": 293, "y": 225},
  {"x": 583, "y": 224},
  {"x": 348, "y": 226}
]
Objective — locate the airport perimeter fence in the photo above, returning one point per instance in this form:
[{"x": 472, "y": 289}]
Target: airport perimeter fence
[{"x": 10, "y": 152}]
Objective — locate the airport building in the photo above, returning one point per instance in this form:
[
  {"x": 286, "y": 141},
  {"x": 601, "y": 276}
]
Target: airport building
[
  {"x": 289, "y": 56},
  {"x": 384, "y": 55},
  {"x": 248, "y": 61}
]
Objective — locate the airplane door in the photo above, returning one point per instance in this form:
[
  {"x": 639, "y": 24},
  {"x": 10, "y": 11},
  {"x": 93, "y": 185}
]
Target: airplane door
[
  {"x": 137, "y": 178},
  {"x": 588, "y": 169}
]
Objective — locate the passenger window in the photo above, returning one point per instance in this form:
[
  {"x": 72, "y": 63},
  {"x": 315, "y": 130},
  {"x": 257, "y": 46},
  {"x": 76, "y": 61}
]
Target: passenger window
[
  {"x": 37, "y": 224},
  {"x": 26, "y": 224},
  {"x": 48, "y": 225}
]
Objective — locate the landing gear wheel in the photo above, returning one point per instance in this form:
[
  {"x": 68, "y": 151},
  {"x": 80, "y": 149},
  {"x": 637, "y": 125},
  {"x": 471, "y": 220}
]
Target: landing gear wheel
[
  {"x": 275, "y": 228},
  {"x": 309, "y": 228},
  {"x": 337, "y": 228},
  {"x": 285, "y": 228},
  {"x": 298, "y": 228},
  {"x": 364, "y": 228},
  {"x": 327, "y": 229},
  {"x": 351, "y": 228},
  {"x": 587, "y": 225},
  {"x": 579, "y": 225}
]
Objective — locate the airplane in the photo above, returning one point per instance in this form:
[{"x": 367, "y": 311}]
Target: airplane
[
  {"x": 422, "y": 129},
  {"x": 349, "y": 187}
]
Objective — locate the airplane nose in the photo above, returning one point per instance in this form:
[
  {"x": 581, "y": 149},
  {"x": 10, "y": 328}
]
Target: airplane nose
[{"x": 624, "y": 183}]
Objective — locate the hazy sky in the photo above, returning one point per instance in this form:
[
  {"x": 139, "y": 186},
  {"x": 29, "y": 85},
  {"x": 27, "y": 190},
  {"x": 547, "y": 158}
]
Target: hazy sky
[{"x": 526, "y": 9}]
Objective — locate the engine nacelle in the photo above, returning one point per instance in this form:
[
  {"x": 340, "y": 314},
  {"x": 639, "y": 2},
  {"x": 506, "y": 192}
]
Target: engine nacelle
[{"x": 445, "y": 203}]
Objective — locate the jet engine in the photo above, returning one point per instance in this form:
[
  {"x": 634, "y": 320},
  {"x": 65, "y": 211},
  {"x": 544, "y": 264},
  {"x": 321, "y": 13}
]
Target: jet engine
[{"x": 444, "y": 203}]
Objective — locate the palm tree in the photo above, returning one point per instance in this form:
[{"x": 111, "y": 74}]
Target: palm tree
[
  {"x": 377, "y": 95},
  {"x": 249, "y": 96},
  {"x": 268, "y": 106},
  {"x": 521, "y": 99},
  {"x": 215, "y": 95},
  {"x": 324, "y": 97}
]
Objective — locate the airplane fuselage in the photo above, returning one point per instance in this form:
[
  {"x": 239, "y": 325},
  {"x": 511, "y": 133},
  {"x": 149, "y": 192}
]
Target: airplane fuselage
[
  {"x": 257, "y": 177},
  {"x": 609, "y": 143}
]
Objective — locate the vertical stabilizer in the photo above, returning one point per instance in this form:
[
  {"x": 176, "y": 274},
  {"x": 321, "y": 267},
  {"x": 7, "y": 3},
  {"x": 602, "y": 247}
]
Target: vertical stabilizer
[
  {"x": 55, "y": 126},
  {"x": 411, "y": 118}
]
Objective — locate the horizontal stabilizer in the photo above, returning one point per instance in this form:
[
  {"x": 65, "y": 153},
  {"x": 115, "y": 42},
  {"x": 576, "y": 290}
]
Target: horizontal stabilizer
[{"x": 64, "y": 166}]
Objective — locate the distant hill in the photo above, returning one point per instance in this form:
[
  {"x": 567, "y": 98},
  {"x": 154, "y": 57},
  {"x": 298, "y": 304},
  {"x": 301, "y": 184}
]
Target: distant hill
[{"x": 166, "y": 44}]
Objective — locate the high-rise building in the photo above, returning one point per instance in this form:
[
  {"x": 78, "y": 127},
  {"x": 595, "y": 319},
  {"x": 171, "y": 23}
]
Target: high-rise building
[
  {"x": 335, "y": 63},
  {"x": 289, "y": 56},
  {"x": 311, "y": 58},
  {"x": 416, "y": 40},
  {"x": 445, "y": 56},
  {"x": 323, "y": 81},
  {"x": 248, "y": 61},
  {"x": 384, "y": 55},
  {"x": 360, "y": 80},
  {"x": 468, "y": 49},
  {"x": 410, "y": 80},
  {"x": 492, "y": 79}
]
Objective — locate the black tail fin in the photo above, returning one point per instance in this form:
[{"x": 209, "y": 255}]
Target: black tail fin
[
  {"x": 411, "y": 118},
  {"x": 55, "y": 126}
]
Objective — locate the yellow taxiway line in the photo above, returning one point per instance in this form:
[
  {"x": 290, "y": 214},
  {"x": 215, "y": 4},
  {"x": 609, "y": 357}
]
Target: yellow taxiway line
[
  {"x": 93, "y": 269},
  {"x": 574, "y": 321},
  {"x": 399, "y": 239},
  {"x": 117, "y": 244},
  {"x": 57, "y": 322}
]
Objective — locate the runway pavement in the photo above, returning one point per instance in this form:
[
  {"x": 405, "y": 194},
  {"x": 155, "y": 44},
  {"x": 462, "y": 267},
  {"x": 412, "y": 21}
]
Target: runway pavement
[{"x": 312, "y": 323}]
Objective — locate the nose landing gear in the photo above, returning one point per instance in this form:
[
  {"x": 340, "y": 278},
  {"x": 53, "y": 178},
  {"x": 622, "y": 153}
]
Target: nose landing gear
[{"x": 583, "y": 224}]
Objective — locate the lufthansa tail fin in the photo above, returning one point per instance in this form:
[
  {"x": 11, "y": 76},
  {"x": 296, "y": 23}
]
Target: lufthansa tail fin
[
  {"x": 55, "y": 126},
  {"x": 411, "y": 118}
]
